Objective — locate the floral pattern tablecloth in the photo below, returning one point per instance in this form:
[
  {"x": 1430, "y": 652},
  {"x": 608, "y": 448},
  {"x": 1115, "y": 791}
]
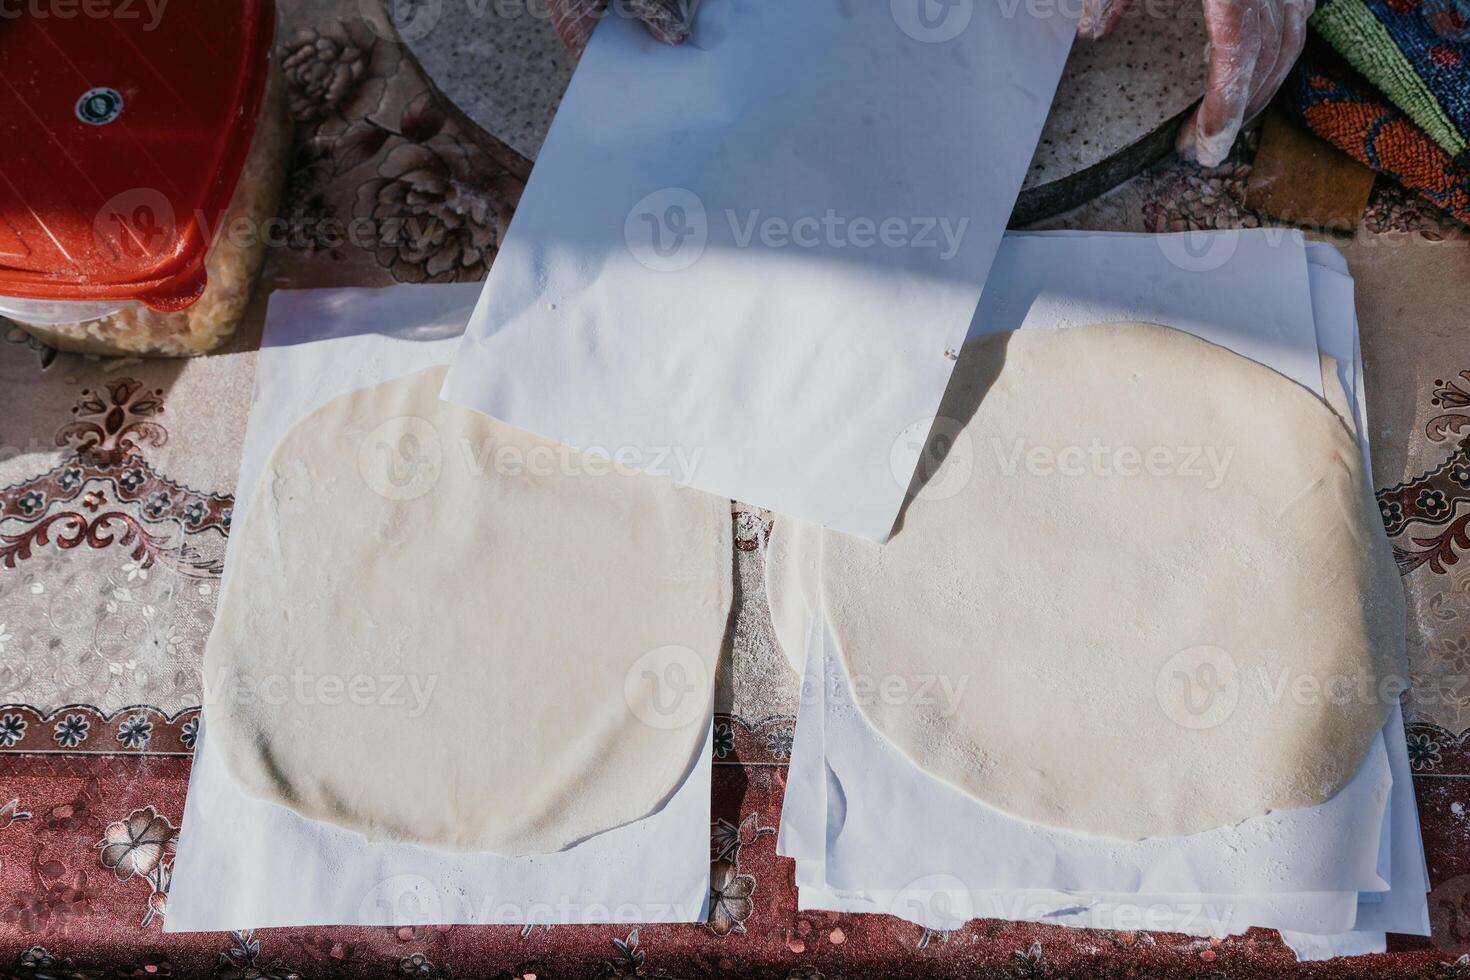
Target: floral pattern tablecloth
[{"x": 116, "y": 495}]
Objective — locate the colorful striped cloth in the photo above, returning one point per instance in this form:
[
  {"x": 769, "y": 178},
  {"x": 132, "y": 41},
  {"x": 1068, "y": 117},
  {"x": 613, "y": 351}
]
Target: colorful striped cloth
[
  {"x": 1417, "y": 52},
  {"x": 1342, "y": 108}
]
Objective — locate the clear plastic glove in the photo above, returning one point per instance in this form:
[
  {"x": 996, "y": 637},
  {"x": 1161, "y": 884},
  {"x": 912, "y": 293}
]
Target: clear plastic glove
[
  {"x": 1253, "y": 44},
  {"x": 668, "y": 20}
]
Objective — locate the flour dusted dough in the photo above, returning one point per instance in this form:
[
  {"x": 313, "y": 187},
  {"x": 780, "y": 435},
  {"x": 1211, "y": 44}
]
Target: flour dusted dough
[
  {"x": 1134, "y": 655},
  {"x": 793, "y": 576},
  {"x": 552, "y": 629}
]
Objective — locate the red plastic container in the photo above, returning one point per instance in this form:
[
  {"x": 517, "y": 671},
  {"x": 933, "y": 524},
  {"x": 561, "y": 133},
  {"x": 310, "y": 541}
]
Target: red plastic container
[{"x": 127, "y": 140}]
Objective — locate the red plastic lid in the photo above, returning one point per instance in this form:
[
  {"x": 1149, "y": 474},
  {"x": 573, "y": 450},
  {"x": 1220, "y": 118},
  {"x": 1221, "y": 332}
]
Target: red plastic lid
[{"x": 123, "y": 139}]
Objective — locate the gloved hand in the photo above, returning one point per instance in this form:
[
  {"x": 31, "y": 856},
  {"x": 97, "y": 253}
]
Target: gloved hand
[
  {"x": 1253, "y": 44},
  {"x": 668, "y": 20}
]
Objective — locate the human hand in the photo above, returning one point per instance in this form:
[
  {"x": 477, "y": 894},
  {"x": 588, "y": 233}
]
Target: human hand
[
  {"x": 1252, "y": 46},
  {"x": 668, "y": 20}
]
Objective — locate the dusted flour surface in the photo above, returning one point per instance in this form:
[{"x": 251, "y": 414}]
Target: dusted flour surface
[
  {"x": 1146, "y": 593},
  {"x": 438, "y": 629}
]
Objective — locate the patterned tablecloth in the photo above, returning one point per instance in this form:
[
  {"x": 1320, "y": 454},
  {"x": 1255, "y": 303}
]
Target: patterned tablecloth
[{"x": 116, "y": 492}]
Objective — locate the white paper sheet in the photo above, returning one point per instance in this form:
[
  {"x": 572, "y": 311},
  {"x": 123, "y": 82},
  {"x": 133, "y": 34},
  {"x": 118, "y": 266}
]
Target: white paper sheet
[
  {"x": 1314, "y": 948},
  {"x": 244, "y": 863},
  {"x": 757, "y": 282},
  {"x": 801, "y": 834}
]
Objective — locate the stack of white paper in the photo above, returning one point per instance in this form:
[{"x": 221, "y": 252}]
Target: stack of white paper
[{"x": 1333, "y": 878}]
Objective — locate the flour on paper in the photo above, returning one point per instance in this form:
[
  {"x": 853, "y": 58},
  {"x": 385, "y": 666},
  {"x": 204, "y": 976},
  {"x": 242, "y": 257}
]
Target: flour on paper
[{"x": 438, "y": 629}]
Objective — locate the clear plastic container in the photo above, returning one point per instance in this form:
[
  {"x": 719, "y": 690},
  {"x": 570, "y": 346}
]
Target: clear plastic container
[
  {"x": 138, "y": 226},
  {"x": 233, "y": 267}
]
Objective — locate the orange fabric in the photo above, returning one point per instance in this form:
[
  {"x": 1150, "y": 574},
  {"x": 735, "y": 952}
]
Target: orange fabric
[{"x": 1344, "y": 110}]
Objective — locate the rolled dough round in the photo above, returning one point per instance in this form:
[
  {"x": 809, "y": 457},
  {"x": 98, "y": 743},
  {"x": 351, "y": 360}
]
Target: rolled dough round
[
  {"x": 442, "y": 630},
  {"x": 1145, "y": 593},
  {"x": 793, "y": 575}
]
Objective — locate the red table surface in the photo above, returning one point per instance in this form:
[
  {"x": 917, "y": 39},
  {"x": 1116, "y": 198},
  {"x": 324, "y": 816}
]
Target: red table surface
[{"x": 142, "y": 457}]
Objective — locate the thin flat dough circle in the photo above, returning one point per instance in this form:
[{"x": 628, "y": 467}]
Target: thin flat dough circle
[
  {"x": 792, "y": 575},
  {"x": 1153, "y": 653},
  {"x": 568, "y": 618}
]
